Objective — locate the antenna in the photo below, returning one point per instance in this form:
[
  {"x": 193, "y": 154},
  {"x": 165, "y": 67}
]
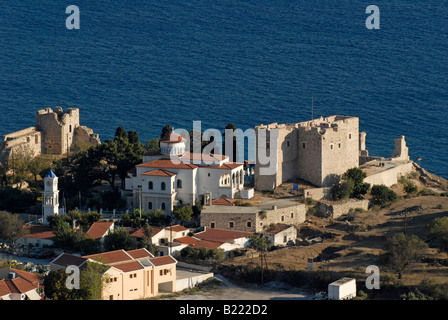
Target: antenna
[{"x": 312, "y": 107}]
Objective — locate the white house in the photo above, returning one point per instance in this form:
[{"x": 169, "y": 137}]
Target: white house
[
  {"x": 281, "y": 234},
  {"x": 175, "y": 176},
  {"x": 342, "y": 289}
]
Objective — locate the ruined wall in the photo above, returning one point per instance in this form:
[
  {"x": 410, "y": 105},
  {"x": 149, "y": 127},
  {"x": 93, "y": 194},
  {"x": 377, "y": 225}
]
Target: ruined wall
[
  {"x": 390, "y": 176},
  {"x": 27, "y": 142},
  {"x": 330, "y": 209}
]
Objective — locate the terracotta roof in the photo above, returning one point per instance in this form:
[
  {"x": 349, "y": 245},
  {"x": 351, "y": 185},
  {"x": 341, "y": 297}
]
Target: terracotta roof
[
  {"x": 221, "y": 235},
  {"x": 207, "y": 244},
  {"x": 167, "y": 164},
  {"x": 159, "y": 173},
  {"x": 172, "y": 138},
  {"x": 29, "y": 276},
  {"x": 177, "y": 228},
  {"x": 164, "y": 260},
  {"x": 39, "y": 232},
  {"x": 204, "y": 157},
  {"x": 139, "y": 253},
  {"x": 226, "y": 166},
  {"x": 110, "y": 257},
  {"x": 67, "y": 259},
  {"x": 17, "y": 285},
  {"x": 187, "y": 240},
  {"x": 223, "y": 202},
  {"x": 129, "y": 266},
  {"x": 139, "y": 233},
  {"x": 99, "y": 229}
]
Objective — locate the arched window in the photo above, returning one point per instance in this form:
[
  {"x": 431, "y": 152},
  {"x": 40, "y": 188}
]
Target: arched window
[
  {"x": 179, "y": 183},
  {"x": 163, "y": 206},
  {"x": 149, "y": 205},
  {"x": 150, "y": 186},
  {"x": 163, "y": 186}
]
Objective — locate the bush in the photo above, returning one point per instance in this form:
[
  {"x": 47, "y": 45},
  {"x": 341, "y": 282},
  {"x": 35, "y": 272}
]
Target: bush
[
  {"x": 342, "y": 190},
  {"x": 438, "y": 230},
  {"x": 410, "y": 188},
  {"x": 382, "y": 195}
]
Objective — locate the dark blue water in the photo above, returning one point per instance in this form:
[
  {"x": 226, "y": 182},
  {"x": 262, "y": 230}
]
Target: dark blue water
[{"x": 143, "y": 64}]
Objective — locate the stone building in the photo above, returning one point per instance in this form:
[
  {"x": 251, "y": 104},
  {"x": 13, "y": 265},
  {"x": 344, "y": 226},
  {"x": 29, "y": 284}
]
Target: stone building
[
  {"x": 253, "y": 219},
  {"x": 317, "y": 151},
  {"x": 54, "y": 133}
]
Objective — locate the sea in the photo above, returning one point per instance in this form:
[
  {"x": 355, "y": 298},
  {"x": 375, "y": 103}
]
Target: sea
[{"x": 142, "y": 64}]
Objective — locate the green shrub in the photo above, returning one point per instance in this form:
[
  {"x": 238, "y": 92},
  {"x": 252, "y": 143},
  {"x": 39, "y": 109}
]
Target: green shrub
[{"x": 382, "y": 195}]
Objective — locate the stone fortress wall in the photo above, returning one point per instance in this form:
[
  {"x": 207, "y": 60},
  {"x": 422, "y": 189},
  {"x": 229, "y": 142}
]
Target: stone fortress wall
[
  {"x": 54, "y": 133},
  {"x": 317, "y": 151}
]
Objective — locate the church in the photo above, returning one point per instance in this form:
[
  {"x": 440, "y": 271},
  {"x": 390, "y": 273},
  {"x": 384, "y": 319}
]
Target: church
[
  {"x": 50, "y": 199},
  {"x": 174, "y": 176}
]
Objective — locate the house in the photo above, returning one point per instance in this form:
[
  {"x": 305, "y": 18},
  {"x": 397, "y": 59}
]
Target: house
[
  {"x": 37, "y": 236},
  {"x": 175, "y": 176},
  {"x": 281, "y": 234},
  {"x": 19, "y": 285},
  {"x": 98, "y": 230},
  {"x": 342, "y": 289},
  {"x": 133, "y": 274},
  {"x": 162, "y": 236}
]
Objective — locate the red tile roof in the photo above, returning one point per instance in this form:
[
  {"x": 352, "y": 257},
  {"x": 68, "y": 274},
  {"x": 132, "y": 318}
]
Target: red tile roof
[
  {"x": 172, "y": 138},
  {"x": 139, "y": 233},
  {"x": 207, "y": 244},
  {"x": 110, "y": 257},
  {"x": 39, "y": 232},
  {"x": 159, "y": 173},
  {"x": 99, "y": 229},
  {"x": 186, "y": 240},
  {"x": 223, "y": 202},
  {"x": 33, "y": 278},
  {"x": 129, "y": 266},
  {"x": 139, "y": 253},
  {"x": 177, "y": 228},
  {"x": 221, "y": 235},
  {"x": 227, "y": 166},
  {"x": 167, "y": 164},
  {"x": 17, "y": 285},
  {"x": 164, "y": 260}
]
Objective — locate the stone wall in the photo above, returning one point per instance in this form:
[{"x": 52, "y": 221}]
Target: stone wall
[
  {"x": 27, "y": 141},
  {"x": 390, "y": 176},
  {"x": 250, "y": 219},
  {"x": 335, "y": 209}
]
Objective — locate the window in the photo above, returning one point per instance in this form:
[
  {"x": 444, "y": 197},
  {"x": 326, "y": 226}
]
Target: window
[
  {"x": 287, "y": 143},
  {"x": 179, "y": 183},
  {"x": 331, "y": 146},
  {"x": 285, "y": 239},
  {"x": 161, "y": 272},
  {"x": 212, "y": 225},
  {"x": 339, "y": 145},
  {"x": 149, "y": 205},
  {"x": 163, "y": 206},
  {"x": 292, "y": 214},
  {"x": 150, "y": 185},
  {"x": 283, "y": 218},
  {"x": 231, "y": 224},
  {"x": 249, "y": 224},
  {"x": 303, "y": 145},
  {"x": 111, "y": 297},
  {"x": 163, "y": 186},
  {"x": 70, "y": 128},
  {"x": 36, "y": 139},
  {"x": 349, "y": 135},
  {"x": 209, "y": 174}
]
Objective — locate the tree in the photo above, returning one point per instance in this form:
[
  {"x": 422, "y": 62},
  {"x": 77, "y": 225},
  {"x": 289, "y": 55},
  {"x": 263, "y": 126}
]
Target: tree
[
  {"x": 11, "y": 227},
  {"x": 120, "y": 133},
  {"x": 167, "y": 129},
  {"x": 92, "y": 281},
  {"x": 118, "y": 239},
  {"x": 148, "y": 232},
  {"x": 382, "y": 195},
  {"x": 342, "y": 190},
  {"x": 261, "y": 244},
  {"x": 183, "y": 212},
  {"x": 356, "y": 175},
  {"x": 403, "y": 252},
  {"x": 56, "y": 288},
  {"x": 438, "y": 230},
  {"x": 153, "y": 144}
]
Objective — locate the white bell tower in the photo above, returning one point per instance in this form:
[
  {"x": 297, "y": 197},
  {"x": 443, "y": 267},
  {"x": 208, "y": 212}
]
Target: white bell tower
[{"x": 50, "y": 203}]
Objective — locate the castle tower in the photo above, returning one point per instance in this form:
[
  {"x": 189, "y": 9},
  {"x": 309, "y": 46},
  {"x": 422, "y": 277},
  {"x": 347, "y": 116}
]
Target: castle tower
[{"x": 50, "y": 204}]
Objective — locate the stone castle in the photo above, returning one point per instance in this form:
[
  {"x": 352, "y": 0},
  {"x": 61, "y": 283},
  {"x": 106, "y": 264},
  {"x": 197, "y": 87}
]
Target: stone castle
[
  {"x": 317, "y": 151},
  {"x": 54, "y": 133}
]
